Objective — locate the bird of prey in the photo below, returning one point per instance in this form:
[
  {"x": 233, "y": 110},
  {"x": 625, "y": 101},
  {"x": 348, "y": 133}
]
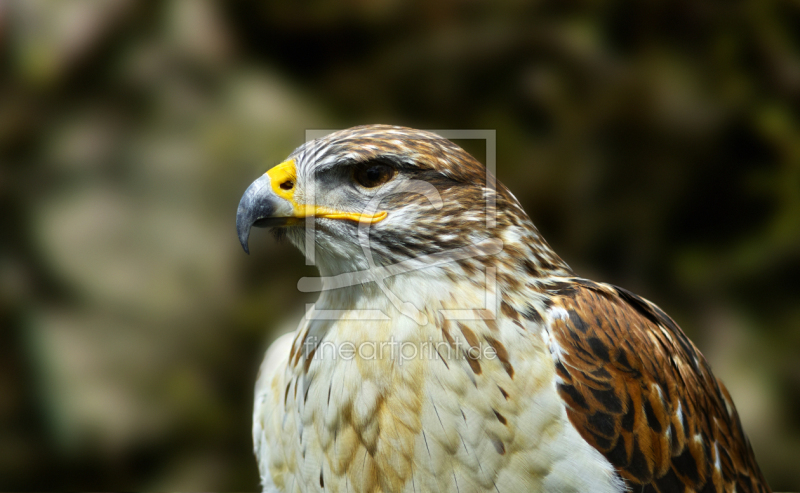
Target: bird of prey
[{"x": 452, "y": 350}]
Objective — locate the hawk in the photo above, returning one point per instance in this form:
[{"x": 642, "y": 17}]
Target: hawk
[{"x": 451, "y": 349}]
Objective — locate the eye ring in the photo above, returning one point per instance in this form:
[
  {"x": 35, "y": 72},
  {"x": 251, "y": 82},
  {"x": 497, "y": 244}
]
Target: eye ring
[{"x": 373, "y": 174}]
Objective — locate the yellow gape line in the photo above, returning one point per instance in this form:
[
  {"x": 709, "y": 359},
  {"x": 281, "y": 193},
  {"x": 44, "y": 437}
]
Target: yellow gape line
[{"x": 283, "y": 179}]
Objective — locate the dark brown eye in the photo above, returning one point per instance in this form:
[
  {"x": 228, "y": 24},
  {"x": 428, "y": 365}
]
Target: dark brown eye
[{"x": 371, "y": 175}]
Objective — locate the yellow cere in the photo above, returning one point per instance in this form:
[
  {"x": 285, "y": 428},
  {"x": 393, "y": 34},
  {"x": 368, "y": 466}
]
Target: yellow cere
[{"x": 283, "y": 179}]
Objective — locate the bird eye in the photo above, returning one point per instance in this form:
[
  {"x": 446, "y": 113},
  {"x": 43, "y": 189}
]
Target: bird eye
[{"x": 373, "y": 174}]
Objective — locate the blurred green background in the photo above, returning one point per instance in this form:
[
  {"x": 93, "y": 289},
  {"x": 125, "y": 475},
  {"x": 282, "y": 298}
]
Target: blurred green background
[{"x": 655, "y": 143}]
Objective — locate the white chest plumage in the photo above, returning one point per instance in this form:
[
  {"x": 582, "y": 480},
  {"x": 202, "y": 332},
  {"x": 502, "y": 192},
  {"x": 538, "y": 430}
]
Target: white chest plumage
[{"x": 389, "y": 405}]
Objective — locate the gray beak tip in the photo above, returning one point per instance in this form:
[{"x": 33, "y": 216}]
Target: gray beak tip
[
  {"x": 243, "y": 225},
  {"x": 256, "y": 204}
]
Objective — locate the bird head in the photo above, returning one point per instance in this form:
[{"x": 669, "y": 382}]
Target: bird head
[{"x": 380, "y": 195}]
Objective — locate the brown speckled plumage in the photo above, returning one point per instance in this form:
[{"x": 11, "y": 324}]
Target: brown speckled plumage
[{"x": 639, "y": 391}]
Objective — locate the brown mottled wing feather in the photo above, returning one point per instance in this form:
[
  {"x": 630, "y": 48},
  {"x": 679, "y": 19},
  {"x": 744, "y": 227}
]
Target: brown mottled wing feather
[{"x": 641, "y": 393}]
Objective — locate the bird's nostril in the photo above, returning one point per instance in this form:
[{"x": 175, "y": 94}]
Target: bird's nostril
[{"x": 287, "y": 185}]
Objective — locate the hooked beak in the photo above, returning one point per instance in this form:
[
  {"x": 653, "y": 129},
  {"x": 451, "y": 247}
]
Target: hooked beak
[
  {"x": 269, "y": 202},
  {"x": 261, "y": 208}
]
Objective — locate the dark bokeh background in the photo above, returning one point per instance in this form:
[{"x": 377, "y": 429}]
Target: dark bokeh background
[{"x": 655, "y": 144}]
